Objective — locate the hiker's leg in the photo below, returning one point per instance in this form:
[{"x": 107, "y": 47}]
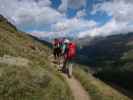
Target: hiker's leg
[
  {"x": 70, "y": 69},
  {"x": 64, "y": 65},
  {"x": 58, "y": 55},
  {"x": 55, "y": 53},
  {"x": 61, "y": 61}
]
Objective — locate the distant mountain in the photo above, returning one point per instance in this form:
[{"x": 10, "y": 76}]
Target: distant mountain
[
  {"x": 111, "y": 57},
  {"x": 110, "y": 48},
  {"x": 86, "y": 41}
]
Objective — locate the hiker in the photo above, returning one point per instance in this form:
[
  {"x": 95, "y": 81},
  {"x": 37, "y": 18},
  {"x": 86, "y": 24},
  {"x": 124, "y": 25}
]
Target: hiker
[
  {"x": 56, "y": 48},
  {"x": 69, "y": 52},
  {"x": 64, "y": 46}
]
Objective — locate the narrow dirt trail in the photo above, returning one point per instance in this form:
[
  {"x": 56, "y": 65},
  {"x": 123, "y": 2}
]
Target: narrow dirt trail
[{"x": 77, "y": 89}]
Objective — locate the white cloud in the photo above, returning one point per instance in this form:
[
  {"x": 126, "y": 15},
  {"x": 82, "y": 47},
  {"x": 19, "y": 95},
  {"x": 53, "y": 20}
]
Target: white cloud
[
  {"x": 36, "y": 17},
  {"x": 42, "y": 3},
  {"x": 121, "y": 10},
  {"x": 66, "y": 27},
  {"x": 63, "y": 6},
  {"x": 81, "y": 13},
  {"x": 29, "y": 13},
  {"x": 121, "y": 22},
  {"x": 47, "y": 35},
  {"x": 110, "y": 28},
  {"x": 33, "y": 14},
  {"x": 74, "y": 4},
  {"x": 73, "y": 24},
  {"x": 41, "y": 34}
]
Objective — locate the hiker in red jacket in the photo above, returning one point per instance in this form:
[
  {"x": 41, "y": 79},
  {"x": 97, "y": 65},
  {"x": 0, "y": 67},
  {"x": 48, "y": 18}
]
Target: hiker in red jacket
[{"x": 69, "y": 54}]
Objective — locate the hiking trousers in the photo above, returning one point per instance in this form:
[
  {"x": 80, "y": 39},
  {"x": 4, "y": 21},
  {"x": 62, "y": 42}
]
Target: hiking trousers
[{"x": 67, "y": 67}]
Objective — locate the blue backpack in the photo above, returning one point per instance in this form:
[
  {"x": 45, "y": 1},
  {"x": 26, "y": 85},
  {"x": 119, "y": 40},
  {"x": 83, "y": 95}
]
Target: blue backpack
[{"x": 64, "y": 48}]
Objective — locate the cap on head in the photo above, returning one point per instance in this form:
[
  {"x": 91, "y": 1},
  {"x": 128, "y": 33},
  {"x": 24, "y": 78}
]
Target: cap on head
[{"x": 66, "y": 41}]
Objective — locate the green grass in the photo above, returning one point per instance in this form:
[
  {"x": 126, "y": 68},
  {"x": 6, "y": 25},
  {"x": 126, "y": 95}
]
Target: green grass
[
  {"x": 96, "y": 88},
  {"x": 30, "y": 83},
  {"x": 36, "y": 81}
]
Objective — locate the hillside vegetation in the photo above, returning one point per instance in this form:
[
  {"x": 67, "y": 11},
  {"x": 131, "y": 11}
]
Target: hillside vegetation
[
  {"x": 97, "y": 89},
  {"x": 112, "y": 59},
  {"x": 25, "y": 73}
]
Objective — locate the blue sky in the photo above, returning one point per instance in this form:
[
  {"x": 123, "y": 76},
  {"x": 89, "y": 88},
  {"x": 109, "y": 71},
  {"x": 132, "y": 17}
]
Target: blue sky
[
  {"x": 76, "y": 18},
  {"x": 99, "y": 17}
]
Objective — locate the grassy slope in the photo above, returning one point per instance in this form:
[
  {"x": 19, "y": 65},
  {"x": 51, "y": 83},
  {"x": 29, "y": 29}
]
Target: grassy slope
[
  {"x": 113, "y": 58},
  {"x": 96, "y": 88},
  {"x": 36, "y": 81}
]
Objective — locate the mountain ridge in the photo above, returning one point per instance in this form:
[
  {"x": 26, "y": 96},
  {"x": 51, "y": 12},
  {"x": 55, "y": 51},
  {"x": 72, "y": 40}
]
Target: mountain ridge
[{"x": 111, "y": 58}]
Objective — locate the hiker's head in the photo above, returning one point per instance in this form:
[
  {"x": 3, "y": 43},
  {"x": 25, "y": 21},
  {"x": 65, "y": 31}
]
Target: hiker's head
[
  {"x": 66, "y": 41},
  {"x": 64, "y": 38},
  {"x": 55, "y": 39}
]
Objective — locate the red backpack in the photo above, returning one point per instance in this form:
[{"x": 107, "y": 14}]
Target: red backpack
[{"x": 71, "y": 50}]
